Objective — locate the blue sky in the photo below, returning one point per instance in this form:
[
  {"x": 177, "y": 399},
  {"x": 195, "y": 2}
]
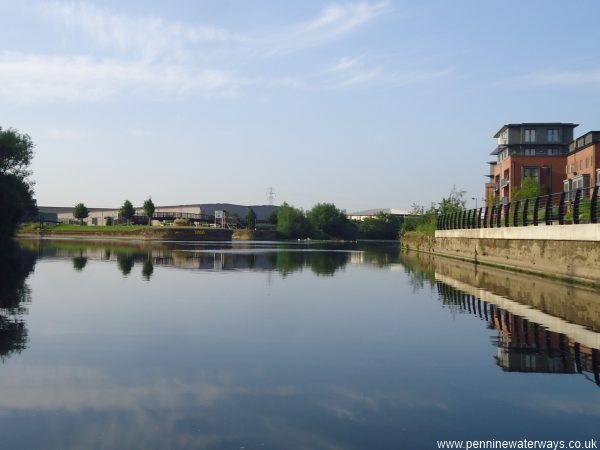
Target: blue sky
[{"x": 364, "y": 104}]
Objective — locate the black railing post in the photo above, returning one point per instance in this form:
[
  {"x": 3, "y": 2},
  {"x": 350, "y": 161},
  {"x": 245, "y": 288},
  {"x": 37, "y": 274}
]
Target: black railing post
[
  {"x": 499, "y": 216},
  {"x": 536, "y": 211},
  {"x": 507, "y": 215},
  {"x": 438, "y": 225},
  {"x": 463, "y": 222},
  {"x": 576, "y": 203},
  {"x": 561, "y": 208},
  {"x": 526, "y": 213},
  {"x": 479, "y": 211},
  {"x": 594, "y": 206},
  {"x": 492, "y": 212},
  {"x": 548, "y": 218},
  {"x": 516, "y": 213}
]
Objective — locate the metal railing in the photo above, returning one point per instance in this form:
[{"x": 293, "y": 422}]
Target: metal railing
[{"x": 564, "y": 208}]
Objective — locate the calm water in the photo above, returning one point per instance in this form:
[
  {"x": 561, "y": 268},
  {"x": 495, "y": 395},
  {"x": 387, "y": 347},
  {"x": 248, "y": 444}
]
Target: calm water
[{"x": 113, "y": 345}]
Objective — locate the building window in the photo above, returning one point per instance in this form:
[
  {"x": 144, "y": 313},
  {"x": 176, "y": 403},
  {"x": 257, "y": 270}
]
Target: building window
[
  {"x": 531, "y": 172},
  {"x": 530, "y": 151},
  {"x": 598, "y": 177},
  {"x": 541, "y": 151},
  {"x": 567, "y": 189},
  {"x": 581, "y": 182},
  {"x": 553, "y": 135},
  {"x": 529, "y": 135}
]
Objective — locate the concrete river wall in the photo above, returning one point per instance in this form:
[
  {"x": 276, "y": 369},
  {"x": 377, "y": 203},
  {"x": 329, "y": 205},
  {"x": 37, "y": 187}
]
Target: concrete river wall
[{"x": 570, "y": 252}]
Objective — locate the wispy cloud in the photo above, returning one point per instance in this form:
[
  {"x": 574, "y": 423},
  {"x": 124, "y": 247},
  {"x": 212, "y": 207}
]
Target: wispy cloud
[
  {"x": 154, "y": 56},
  {"x": 146, "y": 36},
  {"x": 334, "y": 22},
  {"x": 344, "y": 64},
  {"x": 26, "y": 78},
  {"x": 347, "y": 72},
  {"x": 559, "y": 78}
]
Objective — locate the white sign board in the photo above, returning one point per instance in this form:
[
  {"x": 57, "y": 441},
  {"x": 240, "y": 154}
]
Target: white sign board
[{"x": 218, "y": 214}]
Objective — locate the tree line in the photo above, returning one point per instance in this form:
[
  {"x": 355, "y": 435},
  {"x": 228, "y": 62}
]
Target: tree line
[{"x": 326, "y": 221}]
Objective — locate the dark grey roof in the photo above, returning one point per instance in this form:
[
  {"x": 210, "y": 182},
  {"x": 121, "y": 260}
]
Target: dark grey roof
[{"x": 535, "y": 124}]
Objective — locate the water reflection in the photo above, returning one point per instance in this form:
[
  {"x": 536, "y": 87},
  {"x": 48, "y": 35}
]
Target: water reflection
[
  {"x": 79, "y": 263},
  {"x": 15, "y": 266},
  {"x": 147, "y": 269},
  {"x": 186, "y": 346},
  {"x": 525, "y": 346},
  {"x": 323, "y": 260},
  {"x": 528, "y": 339}
]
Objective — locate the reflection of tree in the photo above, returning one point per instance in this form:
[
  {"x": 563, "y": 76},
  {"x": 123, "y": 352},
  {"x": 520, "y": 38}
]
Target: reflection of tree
[
  {"x": 419, "y": 270},
  {"x": 79, "y": 263},
  {"x": 327, "y": 263},
  {"x": 15, "y": 266},
  {"x": 125, "y": 263},
  {"x": 147, "y": 269},
  {"x": 320, "y": 262},
  {"x": 379, "y": 254},
  {"x": 287, "y": 262}
]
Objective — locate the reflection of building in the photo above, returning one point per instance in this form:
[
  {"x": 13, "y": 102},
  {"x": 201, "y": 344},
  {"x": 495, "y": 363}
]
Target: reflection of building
[
  {"x": 583, "y": 163},
  {"x": 529, "y": 150},
  {"x": 528, "y": 347},
  {"x": 525, "y": 346}
]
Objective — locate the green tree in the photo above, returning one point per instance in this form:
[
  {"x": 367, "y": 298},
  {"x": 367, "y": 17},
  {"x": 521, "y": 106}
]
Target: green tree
[
  {"x": 453, "y": 203},
  {"x": 251, "y": 218},
  {"x": 127, "y": 212},
  {"x": 529, "y": 188},
  {"x": 16, "y": 190},
  {"x": 149, "y": 209},
  {"x": 80, "y": 212},
  {"x": 329, "y": 221},
  {"x": 382, "y": 226},
  {"x": 292, "y": 223},
  {"x": 273, "y": 217}
]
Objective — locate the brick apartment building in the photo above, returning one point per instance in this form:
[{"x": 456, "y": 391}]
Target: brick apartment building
[
  {"x": 529, "y": 150},
  {"x": 583, "y": 163}
]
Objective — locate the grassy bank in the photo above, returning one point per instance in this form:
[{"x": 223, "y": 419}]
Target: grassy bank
[{"x": 127, "y": 232}]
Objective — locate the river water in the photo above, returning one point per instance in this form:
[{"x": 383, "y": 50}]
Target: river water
[{"x": 272, "y": 346}]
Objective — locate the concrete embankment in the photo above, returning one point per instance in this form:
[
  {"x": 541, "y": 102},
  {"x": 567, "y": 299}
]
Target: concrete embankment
[
  {"x": 564, "y": 252},
  {"x": 154, "y": 234},
  {"x": 254, "y": 235}
]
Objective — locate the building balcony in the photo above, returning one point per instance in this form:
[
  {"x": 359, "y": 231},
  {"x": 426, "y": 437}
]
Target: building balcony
[{"x": 504, "y": 183}]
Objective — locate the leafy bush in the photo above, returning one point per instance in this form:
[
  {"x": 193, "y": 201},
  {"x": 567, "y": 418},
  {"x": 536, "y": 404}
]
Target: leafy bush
[
  {"x": 181, "y": 222},
  {"x": 382, "y": 226}
]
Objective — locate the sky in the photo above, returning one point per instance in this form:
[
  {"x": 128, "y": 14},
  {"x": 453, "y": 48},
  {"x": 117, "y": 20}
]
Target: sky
[{"x": 364, "y": 104}]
